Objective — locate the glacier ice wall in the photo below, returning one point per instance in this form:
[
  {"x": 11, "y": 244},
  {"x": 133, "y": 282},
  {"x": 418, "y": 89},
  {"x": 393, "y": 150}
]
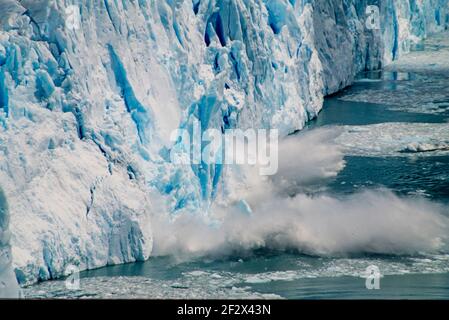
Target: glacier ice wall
[
  {"x": 86, "y": 110},
  {"x": 8, "y": 283}
]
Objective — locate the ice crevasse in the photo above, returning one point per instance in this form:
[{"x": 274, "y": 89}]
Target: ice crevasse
[{"x": 86, "y": 109}]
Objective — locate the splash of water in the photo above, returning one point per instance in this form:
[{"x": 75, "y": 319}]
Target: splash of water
[{"x": 281, "y": 214}]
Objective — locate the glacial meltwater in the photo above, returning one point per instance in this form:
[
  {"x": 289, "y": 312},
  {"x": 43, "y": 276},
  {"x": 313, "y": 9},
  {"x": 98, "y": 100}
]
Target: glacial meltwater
[{"x": 395, "y": 135}]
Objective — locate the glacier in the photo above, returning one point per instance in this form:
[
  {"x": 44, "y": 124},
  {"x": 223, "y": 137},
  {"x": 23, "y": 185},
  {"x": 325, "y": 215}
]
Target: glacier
[
  {"x": 86, "y": 109},
  {"x": 8, "y": 283}
]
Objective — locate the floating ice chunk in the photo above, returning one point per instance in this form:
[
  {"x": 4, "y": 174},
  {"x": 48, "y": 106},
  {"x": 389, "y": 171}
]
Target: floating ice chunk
[
  {"x": 425, "y": 147},
  {"x": 395, "y": 139}
]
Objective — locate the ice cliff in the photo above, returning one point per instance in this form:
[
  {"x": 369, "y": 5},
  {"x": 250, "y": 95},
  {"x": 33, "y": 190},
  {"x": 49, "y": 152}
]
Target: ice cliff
[
  {"x": 8, "y": 283},
  {"x": 87, "y": 105}
]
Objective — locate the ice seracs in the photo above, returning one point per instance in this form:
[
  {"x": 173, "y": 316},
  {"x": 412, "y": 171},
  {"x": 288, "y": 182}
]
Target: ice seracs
[{"x": 8, "y": 283}]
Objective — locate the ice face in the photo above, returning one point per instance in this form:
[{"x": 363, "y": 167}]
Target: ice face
[
  {"x": 90, "y": 94},
  {"x": 8, "y": 283}
]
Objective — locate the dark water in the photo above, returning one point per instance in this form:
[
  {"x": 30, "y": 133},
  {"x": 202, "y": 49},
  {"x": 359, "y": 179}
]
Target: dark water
[
  {"x": 406, "y": 175},
  {"x": 416, "y": 286},
  {"x": 389, "y": 97},
  {"x": 296, "y": 276},
  {"x": 426, "y": 176},
  {"x": 337, "y": 112}
]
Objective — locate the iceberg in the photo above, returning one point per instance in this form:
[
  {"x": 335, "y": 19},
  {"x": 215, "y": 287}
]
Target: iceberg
[{"x": 90, "y": 93}]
